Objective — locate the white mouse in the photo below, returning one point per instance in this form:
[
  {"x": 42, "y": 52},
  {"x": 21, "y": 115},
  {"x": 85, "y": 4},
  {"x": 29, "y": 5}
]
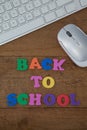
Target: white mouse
[{"x": 74, "y": 41}]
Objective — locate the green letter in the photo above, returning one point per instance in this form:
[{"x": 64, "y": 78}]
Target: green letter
[
  {"x": 22, "y": 99},
  {"x": 22, "y": 64}
]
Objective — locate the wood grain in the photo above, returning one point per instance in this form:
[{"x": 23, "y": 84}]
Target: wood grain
[{"x": 43, "y": 44}]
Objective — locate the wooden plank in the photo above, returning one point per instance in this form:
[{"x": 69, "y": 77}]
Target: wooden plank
[
  {"x": 43, "y": 119},
  {"x": 14, "y": 81},
  {"x": 38, "y": 44}
]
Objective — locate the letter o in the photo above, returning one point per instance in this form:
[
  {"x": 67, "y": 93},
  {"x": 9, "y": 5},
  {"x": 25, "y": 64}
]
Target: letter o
[
  {"x": 65, "y": 102},
  {"x": 52, "y": 99},
  {"x": 45, "y": 80}
]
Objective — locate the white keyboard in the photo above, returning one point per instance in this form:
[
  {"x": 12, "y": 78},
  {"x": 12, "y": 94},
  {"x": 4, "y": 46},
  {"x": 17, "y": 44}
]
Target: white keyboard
[{"x": 20, "y": 17}]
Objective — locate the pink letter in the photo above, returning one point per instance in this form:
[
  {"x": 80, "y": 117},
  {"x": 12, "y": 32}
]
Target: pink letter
[
  {"x": 36, "y": 81},
  {"x": 35, "y": 99},
  {"x": 58, "y": 64}
]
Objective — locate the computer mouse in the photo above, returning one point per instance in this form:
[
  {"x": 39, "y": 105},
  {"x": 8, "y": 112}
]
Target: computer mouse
[{"x": 74, "y": 41}]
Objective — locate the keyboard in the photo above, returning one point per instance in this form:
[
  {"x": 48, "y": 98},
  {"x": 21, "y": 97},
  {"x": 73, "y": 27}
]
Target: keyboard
[{"x": 20, "y": 17}]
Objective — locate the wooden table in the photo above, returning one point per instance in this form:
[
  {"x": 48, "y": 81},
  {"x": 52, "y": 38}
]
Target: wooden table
[{"x": 43, "y": 44}]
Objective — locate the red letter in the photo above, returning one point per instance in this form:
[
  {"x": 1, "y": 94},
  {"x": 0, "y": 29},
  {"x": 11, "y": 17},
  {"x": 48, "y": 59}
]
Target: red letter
[{"x": 63, "y": 100}]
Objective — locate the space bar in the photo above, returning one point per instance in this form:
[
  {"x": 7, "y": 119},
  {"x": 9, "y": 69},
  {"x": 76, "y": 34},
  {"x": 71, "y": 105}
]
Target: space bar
[{"x": 20, "y": 31}]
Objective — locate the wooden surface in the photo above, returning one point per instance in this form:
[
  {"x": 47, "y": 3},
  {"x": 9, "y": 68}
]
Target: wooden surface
[{"x": 41, "y": 44}]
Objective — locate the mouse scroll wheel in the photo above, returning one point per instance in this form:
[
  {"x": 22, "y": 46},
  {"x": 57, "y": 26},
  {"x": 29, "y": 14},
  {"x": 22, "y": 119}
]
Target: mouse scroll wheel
[{"x": 68, "y": 33}]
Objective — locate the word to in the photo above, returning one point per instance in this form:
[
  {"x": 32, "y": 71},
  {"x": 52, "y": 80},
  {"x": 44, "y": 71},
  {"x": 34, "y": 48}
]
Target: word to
[{"x": 44, "y": 80}]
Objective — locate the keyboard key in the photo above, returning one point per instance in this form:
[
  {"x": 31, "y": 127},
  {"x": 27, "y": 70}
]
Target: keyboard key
[
  {"x": 62, "y": 2},
  {"x": 21, "y": 19},
  {"x": 1, "y": 9},
  {"x": 36, "y": 12},
  {"x": 50, "y": 17},
  {"x": 14, "y": 13},
  {"x": 44, "y": 9},
  {"x": 52, "y": 5},
  {"x": 21, "y": 10},
  {"x": 1, "y": 1},
  {"x": 70, "y": 7},
  {"x": 29, "y": 16},
  {"x": 83, "y": 2},
  {"x": 16, "y": 3},
  {"x": 13, "y": 23},
  {"x": 5, "y": 26},
  {"x": 37, "y": 3},
  {"x": 0, "y": 20},
  {"x": 6, "y": 16},
  {"x": 29, "y": 6},
  {"x": 45, "y": 1},
  {"x": 61, "y": 12},
  {"x": 24, "y": 1},
  {"x": 0, "y": 30},
  {"x": 8, "y": 5}
]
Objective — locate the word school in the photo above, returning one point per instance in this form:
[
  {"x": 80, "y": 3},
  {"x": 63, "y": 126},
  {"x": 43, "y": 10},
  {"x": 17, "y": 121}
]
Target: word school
[{"x": 63, "y": 100}]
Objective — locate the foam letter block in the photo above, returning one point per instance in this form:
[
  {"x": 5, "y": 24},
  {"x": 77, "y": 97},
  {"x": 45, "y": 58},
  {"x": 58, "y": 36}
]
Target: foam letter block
[
  {"x": 58, "y": 64},
  {"x": 49, "y": 99},
  {"x": 22, "y": 64},
  {"x": 11, "y": 100},
  {"x": 47, "y": 64},
  {"x": 22, "y": 99},
  {"x": 36, "y": 81},
  {"x": 63, "y": 100},
  {"x": 35, "y": 99},
  {"x": 35, "y": 64},
  {"x": 51, "y": 82},
  {"x": 73, "y": 100}
]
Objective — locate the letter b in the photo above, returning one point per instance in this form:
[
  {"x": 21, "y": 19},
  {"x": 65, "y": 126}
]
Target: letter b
[{"x": 22, "y": 64}]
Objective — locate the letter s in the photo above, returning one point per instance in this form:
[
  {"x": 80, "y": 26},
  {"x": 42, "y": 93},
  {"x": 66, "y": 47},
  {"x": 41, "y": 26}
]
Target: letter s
[{"x": 11, "y": 100}]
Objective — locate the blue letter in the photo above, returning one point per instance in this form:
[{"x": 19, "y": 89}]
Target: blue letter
[
  {"x": 12, "y": 101},
  {"x": 47, "y": 64}
]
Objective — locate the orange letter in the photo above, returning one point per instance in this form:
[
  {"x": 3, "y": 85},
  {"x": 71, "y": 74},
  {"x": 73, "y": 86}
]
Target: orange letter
[{"x": 35, "y": 64}]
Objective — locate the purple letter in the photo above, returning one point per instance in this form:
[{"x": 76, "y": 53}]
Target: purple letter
[
  {"x": 35, "y": 100},
  {"x": 73, "y": 100},
  {"x": 58, "y": 64},
  {"x": 36, "y": 81},
  {"x": 49, "y": 99}
]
